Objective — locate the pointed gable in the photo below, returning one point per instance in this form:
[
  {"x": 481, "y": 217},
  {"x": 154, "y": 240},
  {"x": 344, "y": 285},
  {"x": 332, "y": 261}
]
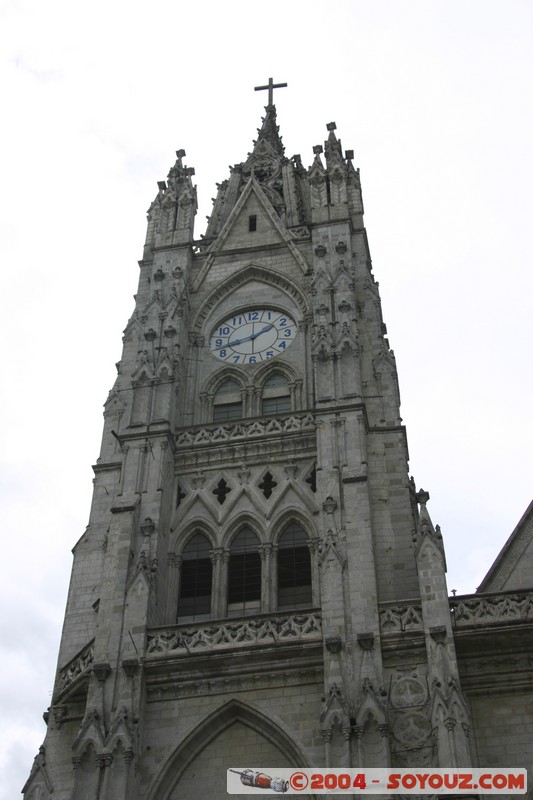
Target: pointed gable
[
  {"x": 513, "y": 568},
  {"x": 251, "y": 222}
]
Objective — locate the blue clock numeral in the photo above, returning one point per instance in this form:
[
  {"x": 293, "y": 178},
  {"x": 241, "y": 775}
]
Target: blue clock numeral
[
  {"x": 223, "y": 353},
  {"x": 283, "y": 345},
  {"x": 288, "y": 332},
  {"x": 223, "y": 331},
  {"x": 253, "y": 315},
  {"x": 236, "y": 359},
  {"x": 282, "y": 322},
  {"x": 269, "y": 353}
]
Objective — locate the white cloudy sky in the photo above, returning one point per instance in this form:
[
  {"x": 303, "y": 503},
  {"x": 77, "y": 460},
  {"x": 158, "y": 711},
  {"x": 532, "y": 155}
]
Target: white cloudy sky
[{"x": 434, "y": 97}]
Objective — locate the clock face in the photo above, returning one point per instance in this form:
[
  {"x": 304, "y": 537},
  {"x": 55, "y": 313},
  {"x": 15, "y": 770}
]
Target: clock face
[{"x": 251, "y": 336}]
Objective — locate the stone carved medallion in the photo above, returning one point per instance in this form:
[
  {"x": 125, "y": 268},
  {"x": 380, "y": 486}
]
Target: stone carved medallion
[{"x": 408, "y": 692}]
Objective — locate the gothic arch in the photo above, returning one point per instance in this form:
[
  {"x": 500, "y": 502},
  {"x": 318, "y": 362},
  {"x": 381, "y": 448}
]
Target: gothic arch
[
  {"x": 287, "y": 516},
  {"x": 212, "y": 726},
  {"x": 251, "y": 272},
  {"x": 237, "y": 524},
  {"x": 267, "y": 369},
  {"x": 184, "y": 542},
  {"x": 226, "y": 373},
  {"x": 180, "y": 538}
]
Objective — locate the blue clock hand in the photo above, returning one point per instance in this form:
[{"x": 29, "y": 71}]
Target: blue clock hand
[{"x": 263, "y": 330}]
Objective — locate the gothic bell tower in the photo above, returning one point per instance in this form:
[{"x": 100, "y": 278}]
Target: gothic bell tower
[{"x": 260, "y": 582}]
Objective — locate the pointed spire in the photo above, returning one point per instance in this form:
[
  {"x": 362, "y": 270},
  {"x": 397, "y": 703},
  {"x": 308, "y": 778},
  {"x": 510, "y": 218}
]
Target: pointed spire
[
  {"x": 333, "y": 146},
  {"x": 269, "y": 131},
  {"x": 425, "y": 526}
]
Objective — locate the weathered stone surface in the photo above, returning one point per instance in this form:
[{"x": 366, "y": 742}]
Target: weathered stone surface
[{"x": 374, "y": 666}]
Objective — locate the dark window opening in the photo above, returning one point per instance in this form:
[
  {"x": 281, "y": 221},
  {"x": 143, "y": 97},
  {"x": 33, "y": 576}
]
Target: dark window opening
[
  {"x": 252, "y": 223},
  {"x": 311, "y": 480},
  {"x": 276, "y": 405},
  {"x": 226, "y": 411},
  {"x": 222, "y": 489},
  {"x": 244, "y": 575},
  {"x": 196, "y": 578},
  {"x": 294, "y": 569},
  {"x": 179, "y": 496},
  {"x": 267, "y": 484}
]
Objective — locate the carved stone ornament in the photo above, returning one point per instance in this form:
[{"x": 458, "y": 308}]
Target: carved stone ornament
[
  {"x": 150, "y": 335},
  {"x": 340, "y": 247},
  {"x": 130, "y": 666},
  {"x": 248, "y": 632},
  {"x": 102, "y": 670},
  {"x": 147, "y": 527},
  {"x": 438, "y": 633},
  {"x": 159, "y": 275},
  {"x": 333, "y": 644},
  {"x": 320, "y": 251},
  {"x": 365, "y": 640},
  {"x": 329, "y": 505}
]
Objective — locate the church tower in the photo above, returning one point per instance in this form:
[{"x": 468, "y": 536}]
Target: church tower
[{"x": 260, "y": 582}]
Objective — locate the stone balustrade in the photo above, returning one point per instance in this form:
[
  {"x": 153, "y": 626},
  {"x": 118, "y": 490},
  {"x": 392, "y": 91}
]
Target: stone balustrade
[
  {"x": 243, "y": 430},
  {"x": 237, "y": 632},
  {"x": 471, "y": 610},
  {"x": 496, "y": 609},
  {"x": 80, "y": 664}
]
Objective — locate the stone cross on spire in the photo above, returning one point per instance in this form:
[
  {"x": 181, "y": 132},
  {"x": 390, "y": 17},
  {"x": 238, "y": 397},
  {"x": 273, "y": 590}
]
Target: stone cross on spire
[{"x": 270, "y": 86}]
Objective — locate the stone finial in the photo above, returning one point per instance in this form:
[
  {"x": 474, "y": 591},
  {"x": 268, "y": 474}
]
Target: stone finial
[
  {"x": 331, "y": 126},
  {"x": 317, "y": 149},
  {"x": 422, "y": 497}
]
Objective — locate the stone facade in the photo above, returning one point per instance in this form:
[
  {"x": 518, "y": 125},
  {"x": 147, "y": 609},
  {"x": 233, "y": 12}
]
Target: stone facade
[{"x": 311, "y": 625}]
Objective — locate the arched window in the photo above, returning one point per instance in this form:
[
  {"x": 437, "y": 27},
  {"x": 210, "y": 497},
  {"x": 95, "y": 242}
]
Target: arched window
[
  {"x": 294, "y": 569},
  {"x": 276, "y": 395},
  {"x": 194, "y": 602},
  {"x": 227, "y": 402},
  {"x": 244, "y": 575}
]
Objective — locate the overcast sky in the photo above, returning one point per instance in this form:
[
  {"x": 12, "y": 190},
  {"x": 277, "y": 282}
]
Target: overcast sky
[{"x": 436, "y": 100}]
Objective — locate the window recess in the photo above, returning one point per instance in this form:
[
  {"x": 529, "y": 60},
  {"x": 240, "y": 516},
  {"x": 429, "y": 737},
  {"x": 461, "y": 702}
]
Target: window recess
[
  {"x": 227, "y": 402},
  {"x": 194, "y": 603},
  {"x": 276, "y": 395},
  {"x": 244, "y": 575},
  {"x": 294, "y": 569}
]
